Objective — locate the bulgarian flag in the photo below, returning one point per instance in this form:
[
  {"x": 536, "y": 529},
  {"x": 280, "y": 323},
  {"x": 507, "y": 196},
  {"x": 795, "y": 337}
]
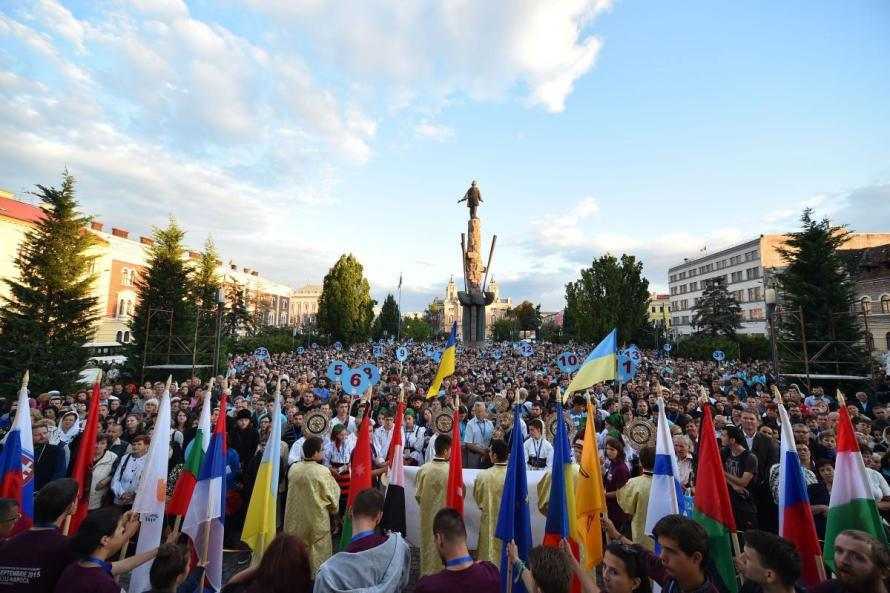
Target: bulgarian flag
[
  {"x": 394, "y": 503},
  {"x": 851, "y": 505},
  {"x": 713, "y": 511},
  {"x": 185, "y": 485},
  {"x": 359, "y": 474}
]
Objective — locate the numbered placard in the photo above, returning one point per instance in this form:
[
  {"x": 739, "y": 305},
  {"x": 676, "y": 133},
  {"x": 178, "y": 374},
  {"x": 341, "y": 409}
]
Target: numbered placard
[
  {"x": 437, "y": 356},
  {"x": 719, "y": 355},
  {"x": 401, "y": 354},
  {"x": 336, "y": 370},
  {"x": 568, "y": 362},
  {"x": 300, "y": 350},
  {"x": 667, "y": 347},
  {"x": 496, "y": 354},
  {"x": 627, "y": 367},
  {"x": 355, "y": 382},
  {"x": 526, "y": 349},
  {"x": 377, "y": 350},
  {"x": 261, "y": 353},
  {"x": 338, "y": 346}
]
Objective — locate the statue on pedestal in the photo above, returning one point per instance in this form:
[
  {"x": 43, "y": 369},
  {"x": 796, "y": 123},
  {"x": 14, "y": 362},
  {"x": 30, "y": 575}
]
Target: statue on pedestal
[
  {"x": 473, "y": 198},
  {"x": 474, "y": 298}
]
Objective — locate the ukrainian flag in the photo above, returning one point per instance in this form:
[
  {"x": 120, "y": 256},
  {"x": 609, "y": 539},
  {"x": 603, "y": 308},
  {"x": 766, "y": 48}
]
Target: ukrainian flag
[
  {"x": 259, "y": 525},
  {"x": 446, "y": 364},
  {"x": 600, "y": 365}
]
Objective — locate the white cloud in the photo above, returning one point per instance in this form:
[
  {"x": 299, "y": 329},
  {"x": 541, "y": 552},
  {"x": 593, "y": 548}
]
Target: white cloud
[{"x": 434, "y": 131}]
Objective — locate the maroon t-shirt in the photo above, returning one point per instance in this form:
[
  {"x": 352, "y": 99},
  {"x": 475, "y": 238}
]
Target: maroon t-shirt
[
  {"x": 481, "y": 577},
  {"x": 31, "y": 562},
  {"x": 365, "y": 543},
  {"x": 86, "y": 579}
]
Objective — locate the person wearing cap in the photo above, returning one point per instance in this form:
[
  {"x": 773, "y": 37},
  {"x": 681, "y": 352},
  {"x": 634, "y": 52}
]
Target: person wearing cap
[
  {"x": 244, "y": 436},
  {"x": 413, "y": 438}
]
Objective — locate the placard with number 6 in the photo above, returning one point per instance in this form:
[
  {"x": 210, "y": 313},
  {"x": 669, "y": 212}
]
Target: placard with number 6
[{"x": 355, "y": 382}]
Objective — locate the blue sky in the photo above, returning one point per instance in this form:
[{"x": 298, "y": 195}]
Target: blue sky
[{"x": 292, "y": 131}]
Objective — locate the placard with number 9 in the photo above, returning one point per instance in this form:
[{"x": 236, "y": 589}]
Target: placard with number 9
[
  {"x": 355, "y": 382},
  {"x": 336, "y": 369},
  {"x": 568, "y": 362},
  {"x": 401, "y": 354},
  {"x": 371, "y": 372}
]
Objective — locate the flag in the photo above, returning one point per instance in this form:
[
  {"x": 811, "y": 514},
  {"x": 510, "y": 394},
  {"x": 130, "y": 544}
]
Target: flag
[
  {"x": 446, "y": 363},
  {"x": 664, "y": 475},
  {"x": 262, "y": 512},
  {"x": 85, "y": 452},
  {"x": 204, "y": 519},
  {"x": 400, "y": 281},
  {"x": 795, "y": 516},
  {"x": 600, "y": 365},
  {"x": 713, "y": 511},
  {"x": 151, "y": 495},
  {"x": 590, "y": 495},
  {"x": 17, "y": 457},
  {"x": 561, "y": 520},
  {"x": 454, "y": 489},
  {"x": 514, "y": 521},
  {"x": 359, "y": 474},
  {"x": 851, "y": 505},
  {"x": 394, "y": 502},
  {"x": 185, "y": 485}
]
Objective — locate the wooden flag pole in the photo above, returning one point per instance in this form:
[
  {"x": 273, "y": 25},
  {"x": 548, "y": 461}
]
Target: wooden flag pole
[
  {"x": 205, "y": 553},
  {"x": 177, "y": 523},
  {"x": 67, "y": 525},
  {"x": 737, "y": 551}
]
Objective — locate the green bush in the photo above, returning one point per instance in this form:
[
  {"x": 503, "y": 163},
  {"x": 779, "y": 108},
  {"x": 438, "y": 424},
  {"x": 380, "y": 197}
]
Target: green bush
[{"x": 742, "y": 347}]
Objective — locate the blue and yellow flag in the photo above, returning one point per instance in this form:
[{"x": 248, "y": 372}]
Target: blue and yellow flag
[
  {"x": 446, "y": 364},
  {"x": 262, "y": 512},
  {"x": 600, "y": 365}
]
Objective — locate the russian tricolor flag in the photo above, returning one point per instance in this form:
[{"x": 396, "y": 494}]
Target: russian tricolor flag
[
  {"x": 17, "y": 457},
  {"x": 205, "y": 519},
  {"x": 795, "y": 515}
]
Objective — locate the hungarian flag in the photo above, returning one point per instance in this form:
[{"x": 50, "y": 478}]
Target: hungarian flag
[
  {"x": 851, "y": 505},
  {"x": 561, "y": 514},
  {"x": 713, "y": 511},
  {"x": 454, "y": 488},
  {"x": 204, "y": 519},
  {"x": 394, "y": 503},
  {"x": 359, "y": 474},
  {"x": 84, "y": 460},
  {"x": 17, "y": 457},
  {"x": 197, "y": 448}
]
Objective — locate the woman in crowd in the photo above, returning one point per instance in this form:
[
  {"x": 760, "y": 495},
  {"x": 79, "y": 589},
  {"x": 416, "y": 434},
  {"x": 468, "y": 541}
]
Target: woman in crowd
[
  {"x": 100, "y": 470},
  {"x": 284, "y": 568},
  {"x": 132, "y": 428},
  {"x": 819, "y": 494},
  {"x": 616, "y": 473},
  {"x": 182, "y": 425}
]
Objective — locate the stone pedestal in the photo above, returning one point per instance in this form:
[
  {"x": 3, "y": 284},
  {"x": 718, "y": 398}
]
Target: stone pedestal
[
  {"x": 473, "y": 304},
  {"x": 473, "y": 256}
]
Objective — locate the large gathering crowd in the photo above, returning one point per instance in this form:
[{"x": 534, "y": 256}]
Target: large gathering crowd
[{"x": 319, "y": 426}]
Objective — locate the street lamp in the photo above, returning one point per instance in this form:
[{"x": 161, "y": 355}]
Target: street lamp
[{"x": 770, "y": 295}]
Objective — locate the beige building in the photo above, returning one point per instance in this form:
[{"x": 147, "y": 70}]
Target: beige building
[
  {"x": 121, "y": 258},
  {"x": 660, "y": 310},
  {"x": 304, "y": 305},
  {"x": 452, "y": 310}
]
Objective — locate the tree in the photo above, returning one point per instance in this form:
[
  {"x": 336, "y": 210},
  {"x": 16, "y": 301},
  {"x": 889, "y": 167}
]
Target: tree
[
  {"x": 716, "y": 313},
  {"x": 611, "y": 293},
  {"x": 418, "y": 329},
  {"x": 237, "y": 320},
  {"x": 817, "y": 286},
  {"x": 205, "y": 289},
  {"x": 164, "y": 294},
  {"x": 528, "y": 316},
  {"x": 259, "y": 306},
  {"x": 345, "y": 308},
  {"x": 388, "y": 321},
  {"x": 504, "y": 329},
  {"x": 50, "y": 313}
]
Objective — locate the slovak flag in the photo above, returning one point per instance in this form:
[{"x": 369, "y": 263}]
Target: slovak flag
[
  {"x": 207, "y": 507},
  {"x": 17, "y": 458}
]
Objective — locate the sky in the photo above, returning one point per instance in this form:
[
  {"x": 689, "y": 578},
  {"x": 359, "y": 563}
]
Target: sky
[{"x": 292, "y": 131}]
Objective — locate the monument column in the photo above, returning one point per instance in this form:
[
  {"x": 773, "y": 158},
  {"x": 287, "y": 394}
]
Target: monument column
[{"x": 474, "y": 299}]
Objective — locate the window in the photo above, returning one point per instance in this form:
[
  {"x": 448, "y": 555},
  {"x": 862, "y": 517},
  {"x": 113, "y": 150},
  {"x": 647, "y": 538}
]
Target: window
[
  {"x": 692, "y": 273},
  {"x": 673, "y": 290},
  {"x": 684, "y": 304},
  {"x": 754, "y": 294},
  {"x": 736, "y": 276},
  {"x": 885, "y": 304},
  {"x": 673, "y": 277},
  {"x": 119, "y": 337},
  {"x": 676, "y": 321},
  {"x": 865, "y": 305},
  {"x": 738, "y": 295},
  {"x": 705, "y": 269},
  {"x": 735, "y": 260},
  {"x": 755, "y": 314},
  {"x": 752, "y": 273},
  {"x": 685, "y": 320},
  {"x": 721, "y": 264},
  {"x": 661, "y": 309},
  {"x": 751, "y": 255},
  {"x": 126, "y": 337},
  {"x": 682, "y": 276},
  {"x": 682, "y": 289},
  {"x": 693, "y": 286}
]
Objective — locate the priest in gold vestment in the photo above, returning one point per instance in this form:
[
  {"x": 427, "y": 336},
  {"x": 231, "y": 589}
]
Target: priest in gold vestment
[
  {"x": 431, "y": 482},
  {"x": 487, "y": 491},
  {"x": 312, "y": 496}
]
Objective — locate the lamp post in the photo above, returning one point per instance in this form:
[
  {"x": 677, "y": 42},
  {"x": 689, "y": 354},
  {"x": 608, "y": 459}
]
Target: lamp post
[
  {"x": 220, "y": 308},
  {"x": 771, "y": 298}
]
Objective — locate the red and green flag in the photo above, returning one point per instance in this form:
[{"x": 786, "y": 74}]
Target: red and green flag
[
  {"x": 185, "y": 485},
  {"x": 359, "y": 474}
]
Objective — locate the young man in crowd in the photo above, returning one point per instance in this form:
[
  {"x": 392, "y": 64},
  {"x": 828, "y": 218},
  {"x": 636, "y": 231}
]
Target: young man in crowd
[
  {"x": 769, "y": 564},
  {"x": 538, "y": 451},
  {"x": 461, "y": 572},
  {"x": 740, "y": 468},
  {"x": 487, "y": 492},
  {"x": 430, "y": 495},
  {"x": 862, "y": 565},
  {"x": 125, "y": 480},
  {"x": 371, "y": 562}
]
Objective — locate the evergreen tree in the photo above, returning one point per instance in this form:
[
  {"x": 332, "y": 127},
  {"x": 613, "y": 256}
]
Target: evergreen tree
[
  {"x": 206, "y": 284},
  {"x": 817, "y": 284},
  {"x": 418, "y": 329},
  {"x": 164, "y": 291},
  {"x": 388, "y": 320},
  {"x": 345, "y": 308},
  {"x": 237, "y": 319},
  {"x": 51, "y": 312},
  {"x": 611, "y": 293},
  {"x": 716, "y": 313}
]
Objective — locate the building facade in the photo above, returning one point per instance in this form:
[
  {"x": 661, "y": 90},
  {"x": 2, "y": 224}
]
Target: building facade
[
  {"x": 304, "y": 305},
  {"x": 746, "y": 268},
  {"x": 873, "y": 297},
  {"x": 452, "y": 310},
  {"x": 660, "y": 310}
]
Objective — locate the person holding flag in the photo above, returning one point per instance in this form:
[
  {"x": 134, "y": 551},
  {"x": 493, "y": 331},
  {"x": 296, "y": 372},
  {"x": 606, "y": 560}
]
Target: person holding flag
[
  {"x": 84, "y": 460},
  {"x": 360, "y": 470},
  {"x": 514, "y": 519},
  {"x": 394, "y": 503},
  {"x": 262, "y": 510},
  {"x": 446, "y": 363},
  {"x": 204, "y": 519},
  {"x": 590, "y": 495},
  {"x": 151, "y": 495},
  {"x": 17, "y": 458}
]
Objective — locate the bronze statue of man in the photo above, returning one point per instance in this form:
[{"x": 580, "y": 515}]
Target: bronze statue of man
[{"x": 473, "y": 198}]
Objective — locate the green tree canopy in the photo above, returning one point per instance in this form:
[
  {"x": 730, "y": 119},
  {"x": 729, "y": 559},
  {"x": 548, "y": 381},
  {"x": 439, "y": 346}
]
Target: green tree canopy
[
  {"x": 387, "y": 323},
  {"x": 345, "y": 308},
  {"x": 50, "y": 313},
  {"x": 504, "y": 329},
  {"x": 817, "y": 284},
  {"x": 237, "y": 320},
  {"x": 716, "y": 313},
  {"x": 527, "y": 315},
  {"x": 418, "y": 329},
  {"x": 164, "y": 294},
  {"x": 611, "y": 293}
]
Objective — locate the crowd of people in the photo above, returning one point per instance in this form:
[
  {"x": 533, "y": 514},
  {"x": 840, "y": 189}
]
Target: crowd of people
[{"x": 317, "y": 472}]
